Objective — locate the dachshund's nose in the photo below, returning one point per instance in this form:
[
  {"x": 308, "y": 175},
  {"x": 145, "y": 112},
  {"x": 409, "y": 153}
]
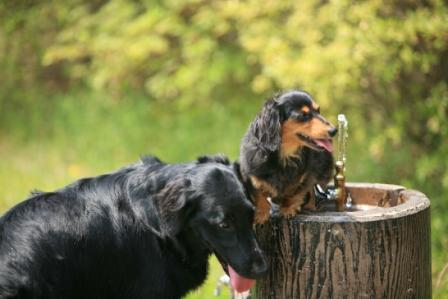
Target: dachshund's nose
[{"x": 332, "y": 132}]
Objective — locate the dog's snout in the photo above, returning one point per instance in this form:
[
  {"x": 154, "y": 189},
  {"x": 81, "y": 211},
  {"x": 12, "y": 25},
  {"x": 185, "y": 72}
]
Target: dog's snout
[
  {"x": 259, "y": 265},
  {"x": 332, "y": 132}
]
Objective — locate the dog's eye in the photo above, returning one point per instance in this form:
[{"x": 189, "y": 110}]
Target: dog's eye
[
  {"x": 223, "y": 225},
  {"x": 303, "y": 116}
]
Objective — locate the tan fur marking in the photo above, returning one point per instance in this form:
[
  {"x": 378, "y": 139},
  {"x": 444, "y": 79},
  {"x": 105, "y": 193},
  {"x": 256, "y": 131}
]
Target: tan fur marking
[
  {"x": 262, "y": 208},
  {"x": 290, "y": 142},
  {"x": 305, "y": 109},
  {"x": 265, "y": 188},
  {"x": 315, "y": 106},
  {"x": 316, "y": 129}
]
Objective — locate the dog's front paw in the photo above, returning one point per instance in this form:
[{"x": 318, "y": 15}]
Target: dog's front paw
[
  {"x": 310, "y": 205},
  {"x": 261, "y": 216},
  {"x": 289, "y": 211}
]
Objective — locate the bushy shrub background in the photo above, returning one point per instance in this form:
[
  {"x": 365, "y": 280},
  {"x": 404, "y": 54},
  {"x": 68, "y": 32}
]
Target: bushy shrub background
[{"x": 87, "y": 86}]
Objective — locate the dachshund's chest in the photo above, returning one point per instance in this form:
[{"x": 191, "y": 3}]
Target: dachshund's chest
[{"x": 284, "y": 182}]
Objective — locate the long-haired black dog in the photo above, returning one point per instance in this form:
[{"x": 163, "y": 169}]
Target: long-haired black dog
[
  {"x": 145, "y": 231},
  {"x": 285, "y": 152}
]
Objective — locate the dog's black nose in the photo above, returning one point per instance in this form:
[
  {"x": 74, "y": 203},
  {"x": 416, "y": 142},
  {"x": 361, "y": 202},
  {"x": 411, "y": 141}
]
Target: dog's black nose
[
  {"x": 259, "y": 265},
  {"x": 332, "y": 132}
]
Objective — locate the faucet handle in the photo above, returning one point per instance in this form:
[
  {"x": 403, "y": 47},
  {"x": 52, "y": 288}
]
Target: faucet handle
[{"x": 224, "y": 280}]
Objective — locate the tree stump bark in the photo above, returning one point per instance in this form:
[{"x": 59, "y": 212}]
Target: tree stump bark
[{"x": 382, "y": 251}]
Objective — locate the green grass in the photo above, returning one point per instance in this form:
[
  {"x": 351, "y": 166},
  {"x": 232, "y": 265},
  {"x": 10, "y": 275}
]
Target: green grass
[{"x": 80, "y": 134}]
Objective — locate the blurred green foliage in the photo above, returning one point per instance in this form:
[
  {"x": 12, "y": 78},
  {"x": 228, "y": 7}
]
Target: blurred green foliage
[
  {"x": 87, "y": 86},
  {"x": 383, "y": 61}
]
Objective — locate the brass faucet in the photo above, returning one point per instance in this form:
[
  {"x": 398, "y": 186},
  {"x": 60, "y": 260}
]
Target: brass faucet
[
  {"x": 339, "y": 178},
  {"x": 339, "y": 184}
]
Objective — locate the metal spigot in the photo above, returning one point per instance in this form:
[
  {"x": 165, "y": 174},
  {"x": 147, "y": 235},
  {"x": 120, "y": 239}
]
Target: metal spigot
[
  {"x": 339, "y": 178},
  {"x": 339, "y": 184},
  {"x": 224, "y": 280}
]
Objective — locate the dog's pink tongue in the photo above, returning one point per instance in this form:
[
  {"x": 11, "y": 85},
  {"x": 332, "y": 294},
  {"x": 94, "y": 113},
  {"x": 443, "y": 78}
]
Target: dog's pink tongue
[
  {"x": 326, "y": 144},
  {"x": 238, "y": 282}
]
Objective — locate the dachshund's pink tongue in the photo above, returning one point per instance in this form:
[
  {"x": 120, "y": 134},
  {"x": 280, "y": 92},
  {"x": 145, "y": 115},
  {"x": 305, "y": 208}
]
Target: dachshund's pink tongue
[
  {"x": 238, "y": 282},
  {"x": 325, "y": 143}
]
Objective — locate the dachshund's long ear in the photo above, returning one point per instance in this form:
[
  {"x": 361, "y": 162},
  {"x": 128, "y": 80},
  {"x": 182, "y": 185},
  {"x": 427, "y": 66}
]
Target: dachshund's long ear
[
  {"x": 173, "y": 203},
  {"x": 266, "y": 127}
]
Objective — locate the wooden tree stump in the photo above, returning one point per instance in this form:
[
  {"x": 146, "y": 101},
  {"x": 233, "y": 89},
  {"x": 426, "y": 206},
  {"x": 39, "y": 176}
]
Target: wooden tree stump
[{"x": 380, "y": 252}]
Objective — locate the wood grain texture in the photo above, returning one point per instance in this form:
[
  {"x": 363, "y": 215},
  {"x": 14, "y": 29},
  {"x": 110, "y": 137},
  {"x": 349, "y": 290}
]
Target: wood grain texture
[{"x": 388, "y": 258}]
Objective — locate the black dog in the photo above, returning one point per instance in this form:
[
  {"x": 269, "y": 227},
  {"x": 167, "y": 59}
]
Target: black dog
[
  {"x": 145, "y": 231},
  {"x": 285, "y": 152}
]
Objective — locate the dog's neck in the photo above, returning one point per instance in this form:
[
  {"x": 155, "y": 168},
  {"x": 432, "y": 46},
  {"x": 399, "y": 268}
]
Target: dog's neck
[
  {"x": 296, "y": 159},
  {"x": 275, "y": 165},
  {"x": 190, "y": 245},
  {"x": 292, "y": 156},
  {"x": 187, "y": 242}
]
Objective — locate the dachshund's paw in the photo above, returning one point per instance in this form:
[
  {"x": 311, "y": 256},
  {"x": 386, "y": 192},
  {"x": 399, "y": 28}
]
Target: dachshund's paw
[
  {"x": 289, "y": 212},
  {"x": 310, "y": 206},
  {"x": 261, "y": 216}
]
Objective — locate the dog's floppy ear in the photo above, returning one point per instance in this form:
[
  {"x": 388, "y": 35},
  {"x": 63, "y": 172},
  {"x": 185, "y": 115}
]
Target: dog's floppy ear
[
  {"x": 267, "y": 126},
  {"x": 173, "y": 202}
]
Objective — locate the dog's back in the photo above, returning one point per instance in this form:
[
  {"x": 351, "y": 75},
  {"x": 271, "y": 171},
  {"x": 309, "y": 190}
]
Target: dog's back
[{"x": 91, "y": 239}]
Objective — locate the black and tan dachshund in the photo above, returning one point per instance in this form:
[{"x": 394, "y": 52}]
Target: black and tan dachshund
[
  {"x": 145, "y": 231},
  {"x": 285, "y": 152}
]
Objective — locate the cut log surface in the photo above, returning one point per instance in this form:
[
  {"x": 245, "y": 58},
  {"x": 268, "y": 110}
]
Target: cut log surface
[{"x": 380, "y": 253}]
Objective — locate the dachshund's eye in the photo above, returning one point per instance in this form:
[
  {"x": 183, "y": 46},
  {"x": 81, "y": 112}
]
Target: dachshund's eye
[
  {"x": 223, "y": 225},
  {"x": 303, "y": 116}
]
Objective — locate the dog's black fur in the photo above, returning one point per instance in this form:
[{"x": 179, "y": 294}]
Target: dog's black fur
[
  {"x": 145, "y": 231},
  {"x": 272, "y": 166}
]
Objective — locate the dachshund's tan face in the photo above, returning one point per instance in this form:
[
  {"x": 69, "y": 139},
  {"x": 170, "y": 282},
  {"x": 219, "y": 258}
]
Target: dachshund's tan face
[{"x": 305, "y": 127}]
